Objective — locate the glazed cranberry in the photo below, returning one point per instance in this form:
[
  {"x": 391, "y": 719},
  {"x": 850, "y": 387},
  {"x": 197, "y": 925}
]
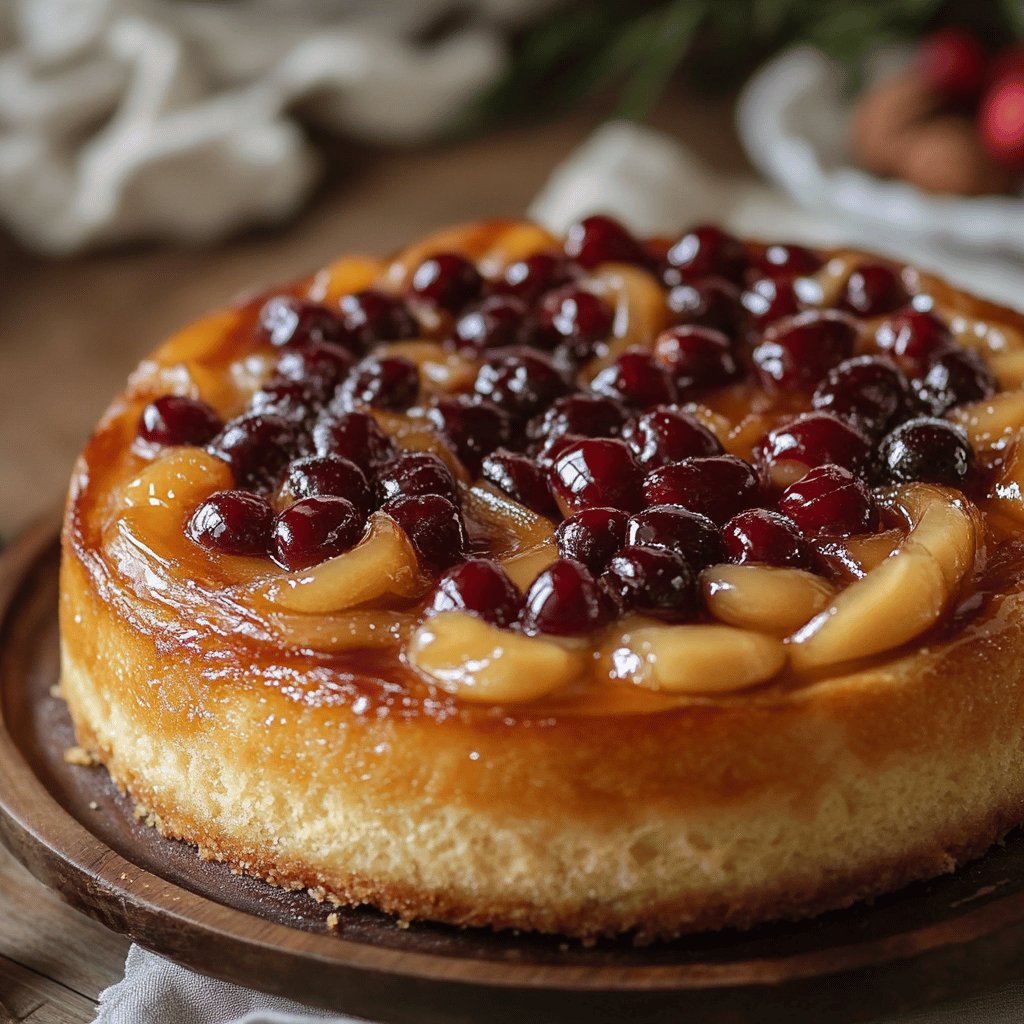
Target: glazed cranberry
[
  {"x": 387, "y": 382},
  {"x": 583, "y": 415},
  {"x": 315, "y": 529},
  {"x": 319, "y": 362},
  {"x": 637, "y": 380},
  {"x": 597, "y": 471},
  {"x": 175, "y": 419},
  {"x": 927, "y": 449},
  {"x": 869, "y": 391},
  {"x": 493, "y": 323},
  {"x": 653, "y": 581},
  {"x": 575, "y": 321},
  {"x": 814, "y": 439},
  {"x": 592, "y": 536},
  {"x": 233, "y": 522},
  {"x": 433, "y": 525},
  {"x": 480, "y": 586},
  {"x": 415, "y": 473},
  {"x": 521, "y": 479},
  {"x": 529, "y": 278},
  {"x": 375, "y": 316},
  {"x": 521, "y": 382},
  {"x": 710, "y": 302},
  {"x": 355, "y": 436},
  {"x": 873, "y": 289},
  {"x": 830, "y": 500},
  {"x": 717, "y": 487},
  {"x": 677, "y": 528},
  {"x": 955, "y": 378},
  {"x": 769, "y": 299},
  {"x": 332, "y": 475},
  {"x": 704, "y": 251},
  {"x": 448, "y": 280},
  {"x": 294, "y": 400},
  {"x": 288, "y": 321},
  {"x": 797, "y": 351},
  {"x": 547, "y": 454},
  {"x": 565, "y": 600},
  {"x": 698, "y": 358},
  {"x": 471, "y": 427},
  {"x": 787, "y": 261},
  {"x": 765, "y": 537},
  {"x": 668, "y": 435},
  {"x": 256, "y": 447},
  {"x": 914, "y": 339},
  {"x": 600, "y": 239}
]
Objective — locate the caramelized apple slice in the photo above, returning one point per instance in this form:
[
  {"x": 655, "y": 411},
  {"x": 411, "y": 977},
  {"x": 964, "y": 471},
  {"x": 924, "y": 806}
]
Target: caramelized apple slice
[
  {"x": 1007, "y": 494},
  {"x": 764, "y": 598},
  {"x": 854, "y": 557},
  {"x": 483, "y": 664},
  {"x": 1008, "y": 368},
  {"x": 639, "y": 304},
  {"x": 994, "y": 422},
  {"x": 440, "y": 371},
  {"x": 345, "y": 276},
  {"x": 511, "y": 527}
]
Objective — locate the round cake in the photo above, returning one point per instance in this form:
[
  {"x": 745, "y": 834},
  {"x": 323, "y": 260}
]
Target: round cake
[{"x": 592, "y": 585}]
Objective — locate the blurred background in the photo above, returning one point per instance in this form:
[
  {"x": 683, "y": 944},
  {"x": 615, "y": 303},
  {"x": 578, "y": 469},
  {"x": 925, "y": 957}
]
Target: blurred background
[{"x": 157, "y": 157}]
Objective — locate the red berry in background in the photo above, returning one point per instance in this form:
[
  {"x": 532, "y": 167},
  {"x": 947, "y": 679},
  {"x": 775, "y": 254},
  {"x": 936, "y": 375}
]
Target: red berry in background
[
  {"x": 564, "y": 600},
  {"x": 914, "y": 339},
  {"x": 233, "y": 523},
  {"x": 294, "y": 400},
  {"x": 1001, "y": 121},
  {"x": 767, "y": 538},
  {"x": 704, "y": 251},
  {"x": 574, "y": 320},
  {"x": 480, "y": 586},
  {"x": 677, "y": 528},
  {"x": 698, "y": 358},
  {"x": 769, "y": 299},
  {"x": 521, "y": 382},
  {"x": 527, "y": 279},
  {"x": 385, "y": 382},
  {"x": 433, "y": 525},
  {"x": 954, "y": 63},
  {"x": 175, "y": 419},
  {"x": 956, "y": 377},
  {"x": 597, "y": 471},
  {"x": 601, "y": 239},
  {"x": 668, "y": 435},
  {"x": 374, "y": 316},
  {"x": 592, "y": 536},
  {"x": 636, "y": 379},
  {"x": 717, "y": 487},
  {"x": 797, "y": 351},
  {"x": 653, "y": 581},
  {"x": 315, "y": 529},
  {"x": 448, "y": 280},
  {"x": 317, "y": 362},
  {"x": 709, "y": 302},
  {"x": 782, "y": 261},
  {"x": 493, "y": 323},
  {"x": 873, "y": 289},
  {"x": 584, "y": 415},
  {"x": 285, "y": 320},
  {"x": 830, "y": 501}
]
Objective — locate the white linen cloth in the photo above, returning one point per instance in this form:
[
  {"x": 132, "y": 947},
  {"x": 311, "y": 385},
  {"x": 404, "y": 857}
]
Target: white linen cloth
[{"x": 650, "y": 181}]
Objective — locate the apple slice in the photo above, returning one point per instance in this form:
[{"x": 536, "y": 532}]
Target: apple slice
[
  {"x": 639, "y": 304},
  {"x": 763, "y": 597},
  {"x": 993, "y": 423}
]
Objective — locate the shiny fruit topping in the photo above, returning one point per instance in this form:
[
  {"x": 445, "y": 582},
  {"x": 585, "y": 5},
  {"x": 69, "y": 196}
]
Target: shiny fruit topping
[
  {"x": 573, "y": 320},
  {"x": 580, "y": 414},
  {"x": 355, "y": 436},
  {"x": 637, "y": 380},
  {"x": 295, "y": 400},
  {"x": 927, "y": 449},
  {"x": 433, "y": 525},
  {"x": 387, "y": 382},
  {"x": 496, "y": 322},
  {"x": 315, "y": 529},
  {"x": 600, "y": 239},
  {"x": 256, "y": 447},
  {"x": 668, "y": 435},
  {"x": 870, "y": 392},
  {"x": 233, "y": 523},
  {"x": 597, "y": 471},
  {"x": 521, "y": 479},
  {"x": 914, "y": 339},
  {"x": 565, "y": 600},
  {"x": 175, "y": 419},
  {"x": 955, "y": 377},
  {"x": 375, "y": 316},
  {"x": 284, "y": 320},
  {"x": 653, "y": 581},
  {"x": 717, "y": 487},
  {"x": 814, "y": 439},
  {"x": 797, "y": 351},
  {"x": 769, "y": 299},
  {"x": 830, "y": 501},
  {"x": 873, "y": 289},
  {"x": 704, "y": 251},
  {"x": 319, "y": 363},
  {"x": 768, "y": 538},
  {"x": 470, "y": 427},
  {"x": 520, "y": 381},
  {"x": 680, "y": 530},
  {"x": 480, "y": 586},
  {"x": 448, "y": 280},
  {"x": 530, "y": 277},
  {"x": 592, "y": 536},
  {"x": 697, "y": 358},
  {"x": 787, "y": 261},
  {"x": 333, "y": 475},
  {"x": 710, "y": 302},
  {"x": 415, "y": 473}
]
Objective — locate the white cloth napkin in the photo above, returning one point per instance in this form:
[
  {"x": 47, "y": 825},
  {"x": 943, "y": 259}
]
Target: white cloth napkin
[{"x": 651, "y": 182}]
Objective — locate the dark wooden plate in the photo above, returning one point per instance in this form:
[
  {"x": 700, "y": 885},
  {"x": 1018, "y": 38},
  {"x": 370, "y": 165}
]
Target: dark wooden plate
[{"x": 76, "y": 833}]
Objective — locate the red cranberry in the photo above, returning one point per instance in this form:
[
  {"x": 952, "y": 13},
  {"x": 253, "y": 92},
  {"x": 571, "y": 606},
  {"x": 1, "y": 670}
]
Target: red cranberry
[
  {"x": 448, "y": 280},
  {"x": 932, "y": 450},
  {"x": 256, "y": 447},
  {"x": 494, "y": 323},
  {"x": 387, "y": 382},
  {"x": 677, "y": 528},
  {"x": 376, "y": 316},
  {"x": 717, "y": 487},
  {"x": 600, "y": 239},
  {"x": 668, "y": 435},
  {"x": 698, "y": 358},
  {"x": 788, "y": 261},
  {"x": 705, "y": 251},
  {"x": 232, "y": 522},
  {"x": 710, "y": 302},
  {"x": 797, "y": 351},
  {"x": 174, "y": 419},
  {"x": 769, "y": 299},
  {"x": 592, "y": 536},
  {"x": 869, "y": 391},
  {"x": 954, "y": 63},
  {"x": 597, "y": 471},
  {"x": 565, "y": 600},
  {"x": 480, "y": 586},
  {"x": 295, "y": 400},
  {"x": 653, "y": 581},
  {"x": 583, "y": 415},
  {"x": 521, "y": 479},
  {"x": 315, "y": 529},
  {"x": 576, "y": 321},
  {"x": 355, "y": 436},
  {"x": 288, "y": 321},
  {"x": 547, "y": 453},
  {"x": 415, "y": 473},
  {"x": 529, "y": 278},
  {"x": 759, "y": 535},
  {"x": 521, "y": 381},
  {"x": 830, "y": 500},
  {"x": 637, "y": 380},
  {"x": 319, "y": 362},
  {"x": 433, "y": 525},
  {"x": 873, "y": 289},
  {"x": 914, "y": 339},
  {"x": 955, "y": 378},
  {"x": 331, "y": 475},
  {"x": 470, "y": 427},
  {"x": 814, "y": 439}
]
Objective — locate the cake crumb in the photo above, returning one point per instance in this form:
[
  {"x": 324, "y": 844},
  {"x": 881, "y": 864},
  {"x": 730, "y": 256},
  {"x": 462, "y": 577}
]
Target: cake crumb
[
  {"x": 79, "y": 756},
  {"x": 333, "y": 921}
]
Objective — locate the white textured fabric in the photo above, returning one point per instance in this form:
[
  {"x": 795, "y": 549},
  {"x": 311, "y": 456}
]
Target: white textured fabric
[{"x": 651, "y": 182}]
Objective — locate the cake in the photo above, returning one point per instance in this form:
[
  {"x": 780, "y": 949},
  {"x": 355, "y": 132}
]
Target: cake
[{"x": 587, "y": 585}]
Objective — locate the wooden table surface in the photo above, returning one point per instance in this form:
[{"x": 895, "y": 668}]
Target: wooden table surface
[{"x": 71, "y": 330}]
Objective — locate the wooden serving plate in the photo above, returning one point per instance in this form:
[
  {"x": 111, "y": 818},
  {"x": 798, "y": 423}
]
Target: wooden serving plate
[{"x": 77, "y": 834}]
